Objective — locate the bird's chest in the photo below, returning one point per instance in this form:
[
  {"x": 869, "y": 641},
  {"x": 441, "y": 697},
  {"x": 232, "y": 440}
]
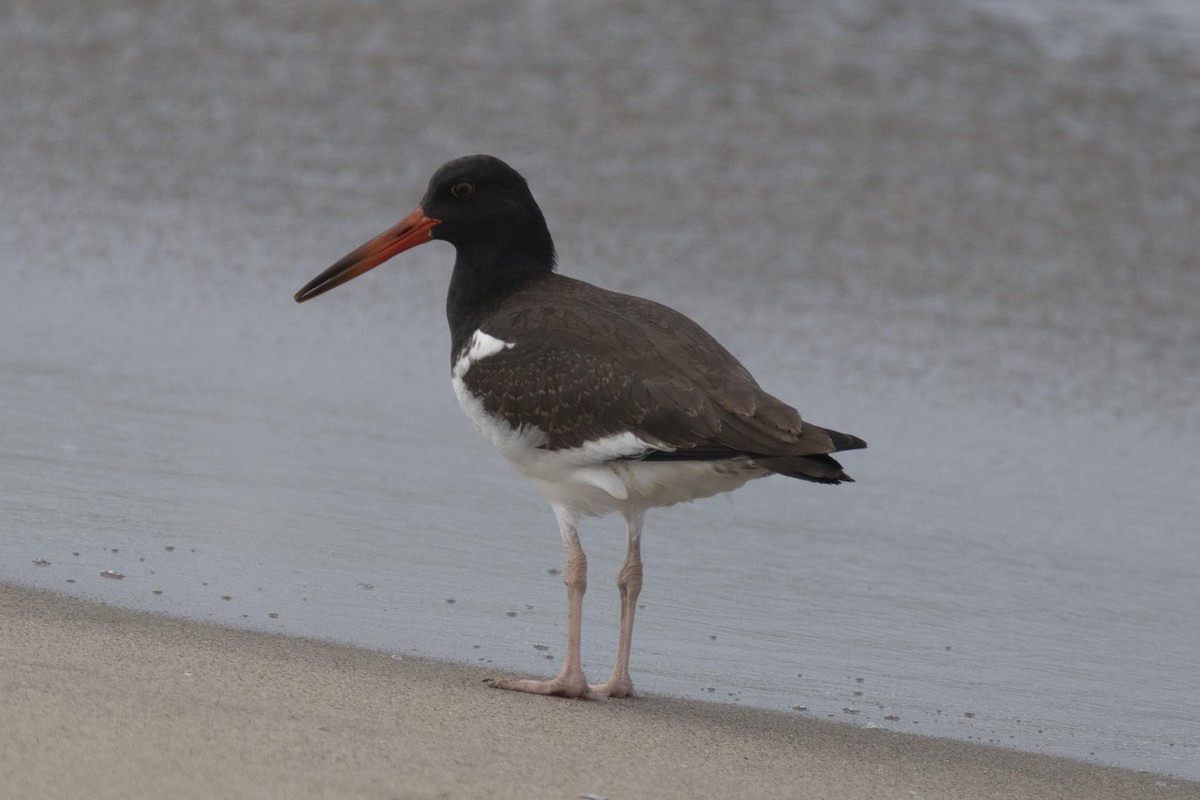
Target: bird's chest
[
  {"x": 580, "y": 478},
  {"x": 520, "y": 445},
  {"x": 565, "y": 478},
  {"x": 472, "y": 387}
]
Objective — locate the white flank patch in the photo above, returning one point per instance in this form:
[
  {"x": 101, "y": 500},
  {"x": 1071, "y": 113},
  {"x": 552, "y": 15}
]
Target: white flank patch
[{"x": 618, "y": 445}]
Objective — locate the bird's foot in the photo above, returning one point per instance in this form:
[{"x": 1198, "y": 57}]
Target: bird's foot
[
  {"x": 574, "y": 686},
  {"x": 615, "y": 687}
]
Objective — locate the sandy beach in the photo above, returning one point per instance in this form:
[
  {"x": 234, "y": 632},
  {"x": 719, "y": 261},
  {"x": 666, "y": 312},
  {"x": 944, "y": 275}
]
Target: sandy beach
[{"x": 103, "y": 702}]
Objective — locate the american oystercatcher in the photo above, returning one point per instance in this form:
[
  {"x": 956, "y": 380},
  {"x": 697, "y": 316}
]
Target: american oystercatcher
[{"x": 604, "y": 401}]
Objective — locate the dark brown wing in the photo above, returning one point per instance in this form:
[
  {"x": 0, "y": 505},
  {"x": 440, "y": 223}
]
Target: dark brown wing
[{"x": 604, "y": 363}]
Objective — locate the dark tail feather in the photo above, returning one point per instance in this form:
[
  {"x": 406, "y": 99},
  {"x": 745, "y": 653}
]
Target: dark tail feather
[
  {"x": 818, "y": 468},
  {"x": 845, "y": 441}
]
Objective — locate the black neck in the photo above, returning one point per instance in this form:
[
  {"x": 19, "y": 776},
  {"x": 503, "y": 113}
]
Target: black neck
[{"x": 483, "y": 276}]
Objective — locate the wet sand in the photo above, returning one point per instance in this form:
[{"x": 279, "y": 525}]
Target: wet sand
[{"x": 105, "y": 702}]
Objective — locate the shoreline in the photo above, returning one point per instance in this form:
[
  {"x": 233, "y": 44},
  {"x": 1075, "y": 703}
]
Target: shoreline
[{"x": 106, "y": 702}]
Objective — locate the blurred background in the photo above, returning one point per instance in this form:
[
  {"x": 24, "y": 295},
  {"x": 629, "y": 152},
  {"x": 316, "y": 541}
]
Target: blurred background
[{"x": 965, "y": 230}]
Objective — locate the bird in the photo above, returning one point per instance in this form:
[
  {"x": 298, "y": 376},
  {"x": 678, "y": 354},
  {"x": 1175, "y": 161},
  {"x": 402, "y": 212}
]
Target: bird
[{"x": 605, "y": 402}]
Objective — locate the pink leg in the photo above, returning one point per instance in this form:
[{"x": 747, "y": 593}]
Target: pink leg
[
  {"x": 629, "y": 584},
  {"x": 569, "y": 682}
]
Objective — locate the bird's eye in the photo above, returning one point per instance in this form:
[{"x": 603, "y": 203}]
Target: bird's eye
[{"x": 462, "y": 189}]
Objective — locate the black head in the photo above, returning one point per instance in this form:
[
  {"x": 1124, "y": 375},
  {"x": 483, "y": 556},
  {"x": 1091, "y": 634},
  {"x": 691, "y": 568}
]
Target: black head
[
  {"x": 484, "y": 204},
  {"x": 480, "y": 205}
]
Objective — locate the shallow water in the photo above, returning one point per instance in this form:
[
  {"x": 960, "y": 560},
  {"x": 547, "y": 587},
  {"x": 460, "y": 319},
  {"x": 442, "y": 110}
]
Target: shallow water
[{"x": 964, "y": 231}]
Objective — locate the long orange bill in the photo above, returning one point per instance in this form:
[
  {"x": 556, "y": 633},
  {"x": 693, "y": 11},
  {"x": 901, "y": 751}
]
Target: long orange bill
[{"x": 405, "y": 234}]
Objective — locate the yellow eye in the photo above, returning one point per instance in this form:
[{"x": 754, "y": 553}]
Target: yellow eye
[{"x": 462, "y": 189}]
